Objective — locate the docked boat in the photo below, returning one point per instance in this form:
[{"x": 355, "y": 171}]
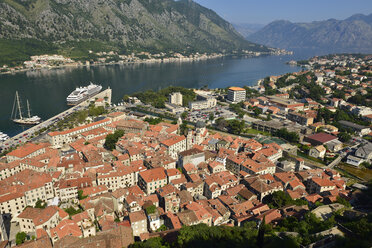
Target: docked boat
[
  {"x": 17, "y": 115},
  {"x": 81, "y": 94},
  {"x": 3, "y": 137}
]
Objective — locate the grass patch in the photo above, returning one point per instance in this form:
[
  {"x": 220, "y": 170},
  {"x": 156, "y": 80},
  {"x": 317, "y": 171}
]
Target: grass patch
[
  {"x": 363, "y": 173},
  {"x": 254, "y": 131}
]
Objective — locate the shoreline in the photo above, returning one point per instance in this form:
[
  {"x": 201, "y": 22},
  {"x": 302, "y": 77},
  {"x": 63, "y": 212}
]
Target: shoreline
[{"x": 147, "y": 61}]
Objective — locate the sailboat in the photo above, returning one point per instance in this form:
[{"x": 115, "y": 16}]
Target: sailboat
[{"x": 17, "y": 113}]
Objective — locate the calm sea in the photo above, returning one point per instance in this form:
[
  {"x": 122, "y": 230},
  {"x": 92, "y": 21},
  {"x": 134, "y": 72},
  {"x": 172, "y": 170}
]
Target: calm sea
[{"x": 47, "y": 90}]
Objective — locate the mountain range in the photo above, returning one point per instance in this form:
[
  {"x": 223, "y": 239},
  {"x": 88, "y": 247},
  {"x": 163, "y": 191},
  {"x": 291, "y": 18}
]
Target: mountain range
[
  {"x": 120, "y": 25},
  {"x": 352, "y": 35},
  {"x": 247, "y": 29}
]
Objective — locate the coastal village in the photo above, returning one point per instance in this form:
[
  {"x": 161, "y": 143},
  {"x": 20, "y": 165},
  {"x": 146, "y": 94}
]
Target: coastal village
[
  {"x": 111, "y": 57},
  {"x": 289, "y": 147}
]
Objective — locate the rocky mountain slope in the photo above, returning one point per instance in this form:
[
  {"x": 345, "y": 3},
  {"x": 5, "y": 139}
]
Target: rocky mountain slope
[
  {"x": 353, "y": 34},
  {"x": 125, "y": 25},
  {"x": 247, "y": 29}
]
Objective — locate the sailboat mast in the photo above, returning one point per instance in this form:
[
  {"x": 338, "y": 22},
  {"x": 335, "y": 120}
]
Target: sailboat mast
[
  {"x": 28, "y": 109},
  {"x": 19, "y": 106},
  {"x": 14, "y": 109}
]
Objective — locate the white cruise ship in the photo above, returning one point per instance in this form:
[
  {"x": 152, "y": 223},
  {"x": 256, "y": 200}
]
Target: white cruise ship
[
  {"x": 81, "y": 94},
  {"x": 3, "y": 137}
]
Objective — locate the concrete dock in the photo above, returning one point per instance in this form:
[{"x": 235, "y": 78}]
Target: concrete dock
[{"x": 25, "y": 135}]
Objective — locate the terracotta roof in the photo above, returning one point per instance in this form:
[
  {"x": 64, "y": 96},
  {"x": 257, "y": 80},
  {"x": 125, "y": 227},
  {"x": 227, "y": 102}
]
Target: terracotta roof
[
  {"x": 78, "y": 128},
  {"x": 153, "y": 174},
  {"x": 40, "y": 216},
  {"x": 137, "y": 216},
  {"x": 322, "y": 137},
  {"x": 190, "y": 152},
  {"x": 323, "y": 182},
  {"x": 236, "y": 89},
  {"x": 173, "y": 140},
  {"x": 27, "y": 149},
  {"x": 66, "y": 228}
]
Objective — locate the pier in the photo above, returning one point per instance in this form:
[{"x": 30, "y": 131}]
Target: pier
[{"x": 25, "y": 135}]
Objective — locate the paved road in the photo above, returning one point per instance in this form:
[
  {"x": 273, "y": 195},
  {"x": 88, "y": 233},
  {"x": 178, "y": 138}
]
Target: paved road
[{"x": 336, "y": 161}]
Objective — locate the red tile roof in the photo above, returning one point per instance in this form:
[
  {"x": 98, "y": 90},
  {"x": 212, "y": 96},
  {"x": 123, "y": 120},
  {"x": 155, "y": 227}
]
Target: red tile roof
[
  {"x": 79, "y": 128},
  {"x": 322, "y": 137},
  {"x": 27, "y": 149},
  {"x": 153, "y": 174},
  {"x": 236, "y": 89}
]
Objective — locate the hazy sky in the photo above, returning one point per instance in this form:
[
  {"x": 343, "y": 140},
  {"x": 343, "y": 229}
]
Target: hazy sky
[{"x": 265, "y": 11}]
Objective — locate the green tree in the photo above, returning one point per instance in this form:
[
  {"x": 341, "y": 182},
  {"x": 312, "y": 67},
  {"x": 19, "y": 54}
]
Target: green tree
[
  {"x": 40, "y": 204},
  {"x": 280, "y": 199},
  {"x": 184, "y": 115},
  {"x": 156, "y": 242},
  {"x": 96, "y": 111},
  {"x": 343, "y": 201},
  {"x": 221, "y": 124},
  {"x": 162, "y": 228},
  {"x": 80, "y": 195},
  {"x": 257, "y": 111},
  {"x": 289, "y": 136},
  {"x": 111, "y": 139},
  {"x": 344, "y": 137},
  {"x": 153, "y": 121},
  {"x": 150, "y": 209},
  {"x": 183, "y": 129},
  {"x": 20, "y": 238},
  {"x": 236, "y": 127},
  {"x": 126, "y": 98},
  {"x": 366, "y": 165},
  {"x": 72, "y": 211}
]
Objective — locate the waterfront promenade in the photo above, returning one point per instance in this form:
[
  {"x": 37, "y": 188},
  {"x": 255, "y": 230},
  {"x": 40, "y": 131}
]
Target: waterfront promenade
[{"x": 27, "y": 134}]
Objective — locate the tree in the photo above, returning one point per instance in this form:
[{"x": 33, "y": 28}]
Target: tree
[
  {"x": 344, "y": 137},
  {"x": 96, "y": 111},
  {"x": 126, "y": 98},
  {"x": 111, "y": 139},
  {"x": 183, "y": 129},
  {"x": 162, "y": 228},
  {"x": 257, "y": 111},
  {"x": 151, "y": 209},
  {"x": 221, "y": 124},
  {"x": 40, "y": 204},
  {"x": 343, "y": 201},
  {"x": 153, "y": 121},
  {"x": 72, "y": 211},
  {"x": 20, "y": 238},
  {"x": 80, "y": 195},
  {"x": 280, "y": 199},
  {"x": 236, "y": 127},
  {"x": 156, "y": 242},
  {"x": 366, "y": 165},
  {"x": 289, "y": 136},
  {"x": 184, "y": 115}
]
